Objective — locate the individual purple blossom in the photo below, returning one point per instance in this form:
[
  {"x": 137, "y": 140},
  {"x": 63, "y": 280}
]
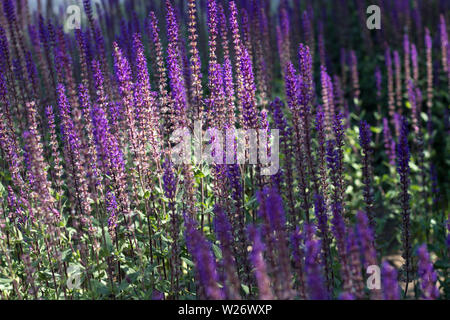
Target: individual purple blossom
[
  {"x": 427, "y": 275},
  {"x": 391, "y": 289}
]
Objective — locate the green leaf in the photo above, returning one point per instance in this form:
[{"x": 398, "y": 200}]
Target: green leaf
[
  {"x": 217, "y": 251},
  {"x": 188, "y": 262},
  {"x": 245, "y": 288}
]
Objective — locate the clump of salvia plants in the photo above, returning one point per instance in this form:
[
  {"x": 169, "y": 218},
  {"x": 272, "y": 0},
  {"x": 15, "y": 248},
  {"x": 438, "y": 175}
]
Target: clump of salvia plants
[{"x": 99, "y": 199}]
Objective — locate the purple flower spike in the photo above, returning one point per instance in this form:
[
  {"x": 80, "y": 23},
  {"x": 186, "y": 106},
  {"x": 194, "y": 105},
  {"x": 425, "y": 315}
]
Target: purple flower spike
[
  {"x": 427, "y": 274},
  {"x": 204, "y": 260},
  {"x": 391, "y": 289},
  {"x": 225, "y": 235}
]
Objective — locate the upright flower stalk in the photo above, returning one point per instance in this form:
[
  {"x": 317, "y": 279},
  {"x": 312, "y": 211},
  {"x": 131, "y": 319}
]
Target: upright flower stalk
[
  {"x": 364, "y": 141},
  {"x": 403, "y": 170}
]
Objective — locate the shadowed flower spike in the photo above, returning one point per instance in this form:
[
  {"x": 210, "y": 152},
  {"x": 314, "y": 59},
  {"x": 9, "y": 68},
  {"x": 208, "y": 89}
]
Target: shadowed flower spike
[
  {"x": 204, "y": 260},
  {"x": 355, "y": 77},
  {"x": 390, "y": 84},
  {"x": 346, "y": 296},
  {"x": 175, "y": 74},
  {"x": 249, "y": 111},
  {"x": 389, "y": 142},
  {"x": 306, "y": 83},
  {"x": 365, "y": 235},
  {"x": 444, "y": 42},
  {"x": 322, "y": 224},
  {"x": 111, "y": 208},
  {"x": 257, "y": 260},
  {"x": 195, "y": 63},
  {"x": 271, "y": 210},
  {"x": 403, "y": 170},
  {"x": 354, "y": 254},
  {"x": 298, "y": 256},
  {"x": 365, "y": 135},
  {"x": 313, "y": 266},
  {"x": 225, "y": 236}
]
